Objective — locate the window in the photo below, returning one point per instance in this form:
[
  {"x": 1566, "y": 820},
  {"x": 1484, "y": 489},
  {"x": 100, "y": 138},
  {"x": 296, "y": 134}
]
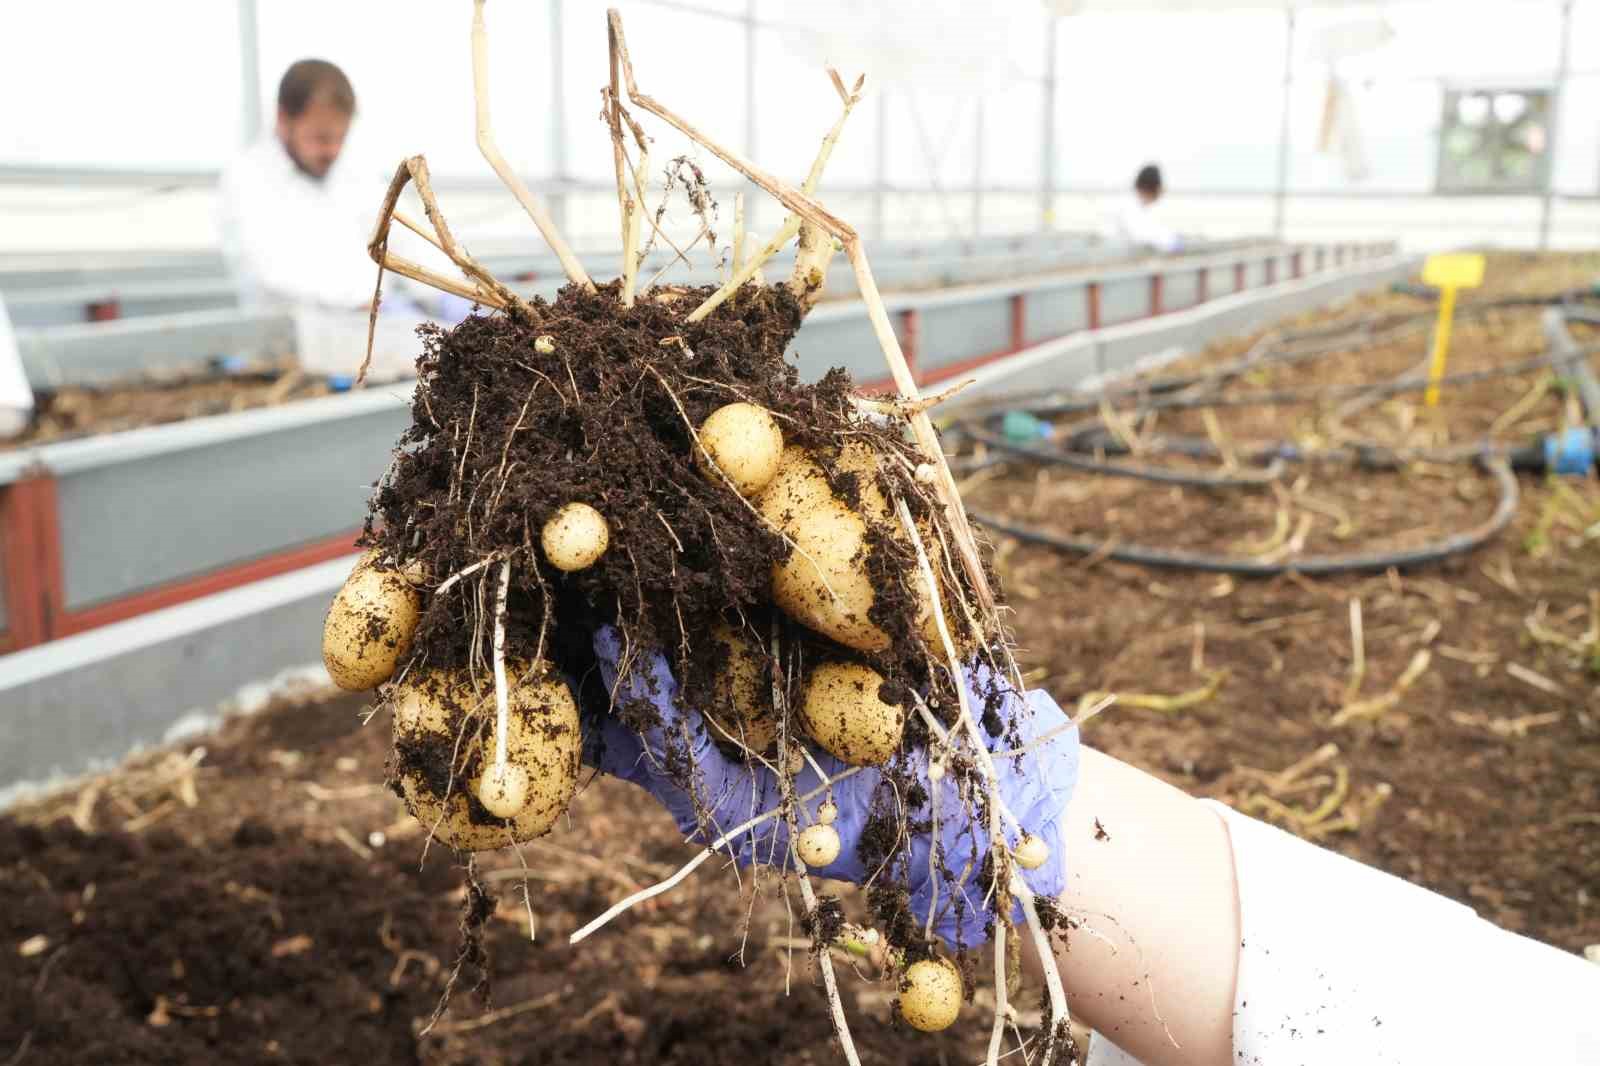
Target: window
[{"x": 1494, "y": 140}]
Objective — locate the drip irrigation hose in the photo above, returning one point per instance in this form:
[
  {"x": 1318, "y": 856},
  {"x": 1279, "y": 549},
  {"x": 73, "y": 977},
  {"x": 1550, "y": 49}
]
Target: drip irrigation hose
[
  {"x": 1310, "y": 566},
  {"x": 1138, "y": 471},
  {"x": 1564, "y": 453}
]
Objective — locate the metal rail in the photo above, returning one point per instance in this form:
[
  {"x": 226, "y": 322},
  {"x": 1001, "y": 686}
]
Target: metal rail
[
  {"x": 107, "y": 528},
  {"x": 194, "y": 641}
]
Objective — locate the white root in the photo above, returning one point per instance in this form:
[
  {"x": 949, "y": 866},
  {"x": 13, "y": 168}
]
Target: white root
[
  {"x": 693, "y": 864},
  {"x": 830, "y": 981},
  {"x": 502, "y": 703},
  {"x": 466, "y": 571},
  {"x": 1058, "y": 999}
]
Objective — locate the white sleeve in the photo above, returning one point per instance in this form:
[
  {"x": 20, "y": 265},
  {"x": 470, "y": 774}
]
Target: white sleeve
[
  {"x": 16, "y": 397},
  {"x": 1341, "y": 963}
]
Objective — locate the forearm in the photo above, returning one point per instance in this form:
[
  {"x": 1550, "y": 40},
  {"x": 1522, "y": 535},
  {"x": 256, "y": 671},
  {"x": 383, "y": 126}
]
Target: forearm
[
  {"x": 1151, "y": 890},
  {"x": 1258, "y": 946}
]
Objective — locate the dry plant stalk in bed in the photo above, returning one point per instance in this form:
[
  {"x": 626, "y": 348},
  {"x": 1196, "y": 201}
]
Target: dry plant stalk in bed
[{"x": 645, "y": 458}]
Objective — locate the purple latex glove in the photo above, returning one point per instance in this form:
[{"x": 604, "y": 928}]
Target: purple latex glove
[{"x": 1035, "y": 786}]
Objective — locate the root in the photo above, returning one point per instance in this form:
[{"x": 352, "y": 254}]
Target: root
[
  {"x": 693, "y": 864},
  {"x": 792, "y": 225},
  {"x": 999, "y": 856},
  {"x": 501, "y": 703},
  {"x": 830, "y": 981}
]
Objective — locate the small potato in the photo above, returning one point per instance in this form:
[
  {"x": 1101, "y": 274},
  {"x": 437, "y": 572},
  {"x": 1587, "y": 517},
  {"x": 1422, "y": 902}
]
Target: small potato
[
  {"x": 369, "y": 626},
  {"x": 818, "y": 845},
  {"x": 1031, "y": 852},
  {"x": 575, "y": 537},
  {"x": 744, "y": 442},
  {"x": 431, "y": 711},
  {"x": 504, "y": 790},
  {"x": 930, "y": 994},
  {"x": 842, "y": 711},
  {"x": 824, "y": 583}
]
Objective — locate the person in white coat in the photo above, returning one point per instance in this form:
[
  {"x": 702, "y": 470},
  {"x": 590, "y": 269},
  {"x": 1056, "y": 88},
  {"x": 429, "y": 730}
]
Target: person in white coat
[
  {"x": 16, "y": 398},
  {"x": 295, "y": 220},
  {"x": 294, "y": 224},
  {"x": 1139, "y": 221}
]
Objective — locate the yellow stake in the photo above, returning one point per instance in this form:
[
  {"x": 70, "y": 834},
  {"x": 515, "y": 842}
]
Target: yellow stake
[{"x": 1448, "y": 273}]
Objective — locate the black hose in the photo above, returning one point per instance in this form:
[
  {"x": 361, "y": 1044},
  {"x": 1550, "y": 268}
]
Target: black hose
[
  {"x": 1311, "y": 566},
  {"x": 1055, "y": 457}
]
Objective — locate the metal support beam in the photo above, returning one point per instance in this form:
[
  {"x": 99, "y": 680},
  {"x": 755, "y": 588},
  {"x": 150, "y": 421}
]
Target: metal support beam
[
  {"x": 1558, "y": 91},
  {"x": 249, "y": 72},
  {"x": 558, "y": 117},
  {"x": 977, "y": 170},
  {"x": 750, "y": 128},
  {"x": 1281, "y": 197},
  {"x": 1047, "y": 136},
  {"x": 880, "y": 180},
  {"x": 753, "y": 196}
]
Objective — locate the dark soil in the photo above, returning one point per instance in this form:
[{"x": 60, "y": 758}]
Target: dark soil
[
  {"x": 582, "y": 400},
  {"x": 1482, "y": 780},
  {"x": 267, "y": 924}
]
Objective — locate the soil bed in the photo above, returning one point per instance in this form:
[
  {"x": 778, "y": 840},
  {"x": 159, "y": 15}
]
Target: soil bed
[
  {"x": 1482, "y": 780},
  {"x": 83, "y": 411},
  {"x": 265, "y": 924},
  {"x": 252, "y": 914}
]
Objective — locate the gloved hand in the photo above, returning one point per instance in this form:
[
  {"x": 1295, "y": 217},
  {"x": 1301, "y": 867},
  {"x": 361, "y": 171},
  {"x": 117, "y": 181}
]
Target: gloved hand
[{"x": 1035, "y": 786}]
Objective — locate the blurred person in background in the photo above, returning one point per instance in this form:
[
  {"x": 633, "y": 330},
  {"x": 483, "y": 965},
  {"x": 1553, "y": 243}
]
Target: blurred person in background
[
  {"x": 1139, "y": 222},
  {"x": 16, "y": 398},
  {"x": 295, "y": 219}
]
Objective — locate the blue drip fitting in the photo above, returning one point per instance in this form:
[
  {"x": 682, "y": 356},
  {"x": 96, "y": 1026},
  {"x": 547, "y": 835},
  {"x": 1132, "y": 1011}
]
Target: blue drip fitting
[{"x": 1571, "y": 451}]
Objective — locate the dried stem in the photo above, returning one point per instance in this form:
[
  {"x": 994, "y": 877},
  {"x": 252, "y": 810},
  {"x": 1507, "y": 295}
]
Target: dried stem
[
  {"x": 792, "y": 225},
  {"x": 816, "y": 245},
  {"x": 491, "y": 152},
  {"x": 809, "y": 210}
]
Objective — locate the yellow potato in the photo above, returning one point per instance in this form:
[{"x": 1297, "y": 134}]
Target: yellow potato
[
  {"x": 575, "y": 537},
  {"x": 369, "y": 626},
  {"x": 818, "y": 845},
  {"x": 744, "y": 442},
  {"x": 432, "y": 711},
  {"x": 842, "y": 711},
  {"x": 824, "y": 582},
  {"x": 930, "y": 994},
  {"x": 741, "y": 707}
]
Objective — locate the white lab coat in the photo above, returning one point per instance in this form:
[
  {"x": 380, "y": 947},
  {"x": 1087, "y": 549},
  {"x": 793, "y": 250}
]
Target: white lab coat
[
  {"x": 296, "y": 244},
  {"x": 16, "y": 398},
  {"x": 1340, "y": 963},
  {"x": 1140, "y": 223},
  {"x": 289, "y": 239}
]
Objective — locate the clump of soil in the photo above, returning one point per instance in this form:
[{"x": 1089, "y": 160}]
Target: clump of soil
[{"x": 583, "y": 400}]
